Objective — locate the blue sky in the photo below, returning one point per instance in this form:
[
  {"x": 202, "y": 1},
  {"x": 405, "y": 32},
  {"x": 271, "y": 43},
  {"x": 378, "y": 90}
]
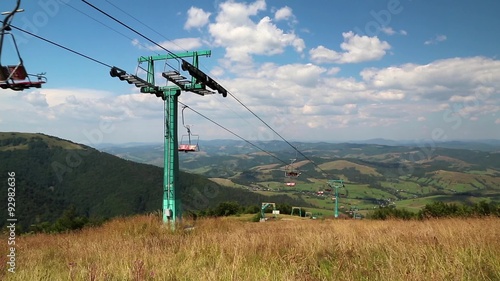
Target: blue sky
[{"x": 315, "y": 71}]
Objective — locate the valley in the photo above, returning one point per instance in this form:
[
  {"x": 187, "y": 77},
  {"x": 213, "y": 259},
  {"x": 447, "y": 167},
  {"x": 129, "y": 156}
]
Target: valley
[{"x": 374, "y": 175}]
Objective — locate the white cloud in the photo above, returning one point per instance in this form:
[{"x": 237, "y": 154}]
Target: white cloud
[
  {"x": 324, "y": 109},
  {"x": 441, "y": 79},
  {"x": 217, "y": 72},
  {"x": 303, "y": 74},
  {"x": 283, "y": 14},
  {"x": 196, "y": 18},
  {"x": 235, "y": 31},
  {"x": 35, "y": 98},
  {"x": 321, "y": 54},
  {"x": 303, "y": 101},
  {"x": 356, "y": 49},
  {"x": 390, "y": 95},
  {"x": 180, "y": 44},
  {"x": 333, "y": 70},
  {"x": 466, "y": 88},
  {"x": 437, "y": 39},
  {"x": 390, "y": 31},
  {"x": 395, "y": 96},
  {"x": 66, "y": 113}
]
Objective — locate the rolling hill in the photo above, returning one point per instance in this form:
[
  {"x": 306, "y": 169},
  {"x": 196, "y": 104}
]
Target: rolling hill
[
  {"x": 52, "y": 174},
  {"x": 403, "y": 175}
]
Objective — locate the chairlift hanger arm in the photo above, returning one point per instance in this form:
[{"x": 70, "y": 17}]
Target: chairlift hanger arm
[
  {"x": 6, "y": 24},
  {"x": 182, "y": 115},
  {"x": 10, "y": 15}
]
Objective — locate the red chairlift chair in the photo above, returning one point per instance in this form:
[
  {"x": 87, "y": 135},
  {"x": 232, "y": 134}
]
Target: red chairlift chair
[
  {"x": 187, "y": 144},
  {"x": 290, "y": 172},
  {"x": 15, "y": 77}
]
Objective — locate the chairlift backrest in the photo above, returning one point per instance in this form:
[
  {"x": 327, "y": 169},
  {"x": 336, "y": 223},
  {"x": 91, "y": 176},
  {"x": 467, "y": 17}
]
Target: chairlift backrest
[
  {"x": 188, "y": 147},
  {"x": 17, "y": 72}
]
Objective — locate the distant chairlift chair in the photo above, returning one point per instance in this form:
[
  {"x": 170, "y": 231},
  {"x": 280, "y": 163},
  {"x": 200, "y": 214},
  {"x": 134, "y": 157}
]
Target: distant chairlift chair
[{"x": 290, "y": 173}]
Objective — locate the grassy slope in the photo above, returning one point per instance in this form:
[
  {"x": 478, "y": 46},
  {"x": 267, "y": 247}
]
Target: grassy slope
[{"x": 141, "y": 248}]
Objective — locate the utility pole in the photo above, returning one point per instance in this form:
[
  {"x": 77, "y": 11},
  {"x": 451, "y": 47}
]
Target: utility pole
[{"x": 198, "y": 83}]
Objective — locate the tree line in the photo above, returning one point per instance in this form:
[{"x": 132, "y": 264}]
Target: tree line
[
  {"x": 71, "y": 220},
  {"x": 439, "y": 210}
]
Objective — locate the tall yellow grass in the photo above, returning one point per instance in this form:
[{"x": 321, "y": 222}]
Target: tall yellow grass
[{"x": 141, "y": 248}]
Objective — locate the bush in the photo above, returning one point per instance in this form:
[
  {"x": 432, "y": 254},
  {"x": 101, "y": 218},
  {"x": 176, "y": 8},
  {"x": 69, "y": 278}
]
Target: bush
[
  {"x": 257, "y": 217},
  {"x": 440, "y": 209},
  {"x": 227, "y": 209},
  {"x": 68, "y": 221},
  {"x": 252, "y": 209}
]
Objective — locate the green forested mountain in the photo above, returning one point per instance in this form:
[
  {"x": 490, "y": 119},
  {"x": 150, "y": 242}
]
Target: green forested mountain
[{"x": 52, "y": 174}]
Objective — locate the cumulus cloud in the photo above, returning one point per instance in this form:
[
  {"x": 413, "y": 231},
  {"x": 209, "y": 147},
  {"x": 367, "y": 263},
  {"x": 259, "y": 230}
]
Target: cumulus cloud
[
  {"x": 395, "y": 96},
  {"x": 283, "y": 13},
  {"x": 333, "y": 70},
  {"x": 356, "y": 49},
  {"x": 305, "y": 95},
  {"x": 302, "y": 74},
  {"x": 196, "y": 18},
  {"x": 180, "y": 44},
  {"x": 324, "y": 109},
  {"x": 35, "y": 98},
  {"x": 466, "y": 88},
  {"x": 440, "y": 79},
  {"x": 235, "y": 30},
  {"x": 301, "y": 100}
]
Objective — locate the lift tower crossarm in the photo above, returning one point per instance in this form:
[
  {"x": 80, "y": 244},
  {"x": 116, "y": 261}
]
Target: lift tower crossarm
[{"x": 206, "y": 53}]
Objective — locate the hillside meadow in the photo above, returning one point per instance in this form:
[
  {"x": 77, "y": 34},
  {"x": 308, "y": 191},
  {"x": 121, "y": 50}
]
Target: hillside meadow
[{"x": 142, "y": 248}]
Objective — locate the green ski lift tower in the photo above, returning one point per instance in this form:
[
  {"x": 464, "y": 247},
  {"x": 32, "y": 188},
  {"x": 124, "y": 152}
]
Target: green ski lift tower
[
  {"x": 336, "y": 184},
  {"x": 198, "y": 83}
]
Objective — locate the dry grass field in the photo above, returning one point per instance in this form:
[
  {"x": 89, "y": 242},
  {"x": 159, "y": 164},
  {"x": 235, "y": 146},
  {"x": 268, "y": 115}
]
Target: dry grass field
[{"x": 142, "y": 248}]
